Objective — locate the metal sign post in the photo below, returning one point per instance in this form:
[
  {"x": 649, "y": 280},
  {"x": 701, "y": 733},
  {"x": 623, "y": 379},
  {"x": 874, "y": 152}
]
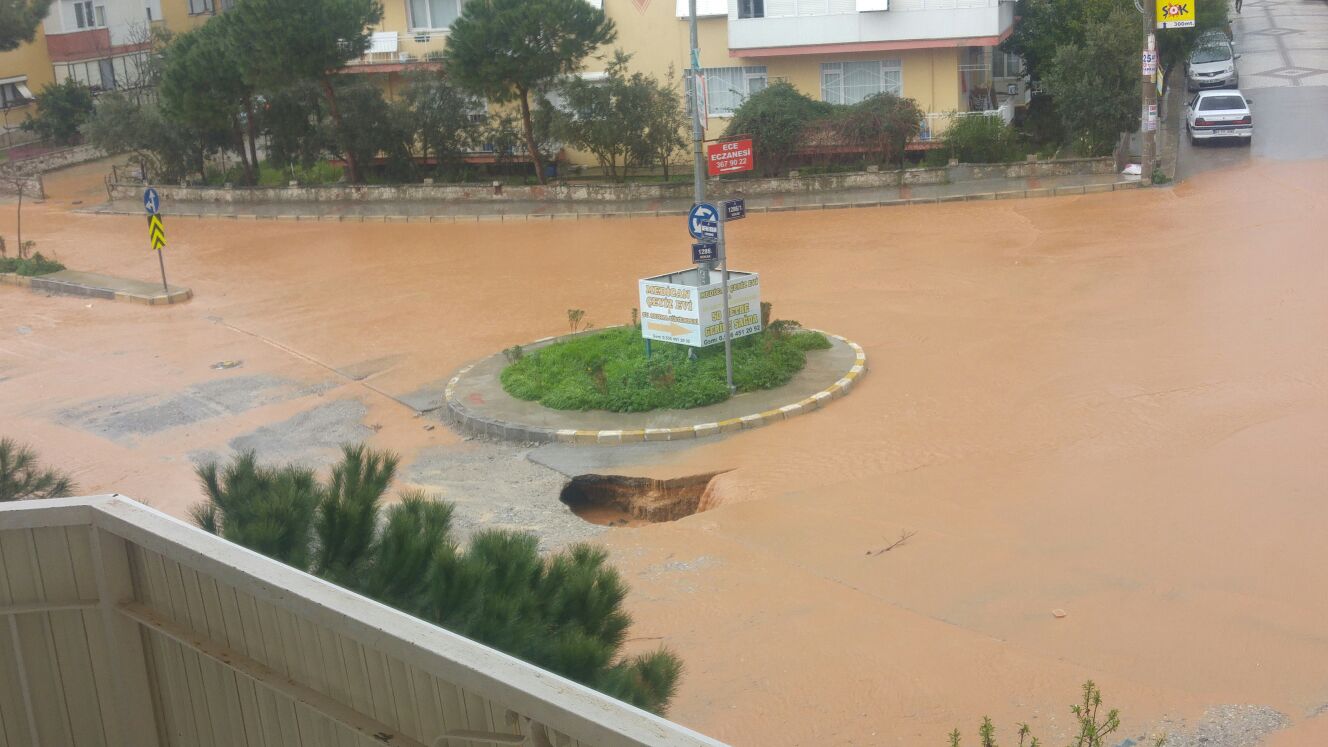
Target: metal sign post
[
  {"x": 156, "y": 231},
  {"x": 728, "y": 330},
  {"x": 733, "y": 210},
  {"x": 700, "y": 113}
]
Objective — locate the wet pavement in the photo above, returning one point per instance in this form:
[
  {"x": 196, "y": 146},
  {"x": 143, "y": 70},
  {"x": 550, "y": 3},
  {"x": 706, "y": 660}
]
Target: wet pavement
[{"x": 1283, "y": 48}]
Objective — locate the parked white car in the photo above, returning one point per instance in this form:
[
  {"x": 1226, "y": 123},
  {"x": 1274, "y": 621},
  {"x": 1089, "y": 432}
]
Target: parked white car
[{"x": 1219, "y": 114}]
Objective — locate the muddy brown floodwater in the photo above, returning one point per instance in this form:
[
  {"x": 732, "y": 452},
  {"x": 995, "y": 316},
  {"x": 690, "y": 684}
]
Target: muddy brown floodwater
[{"x": 1113, "y": 405}]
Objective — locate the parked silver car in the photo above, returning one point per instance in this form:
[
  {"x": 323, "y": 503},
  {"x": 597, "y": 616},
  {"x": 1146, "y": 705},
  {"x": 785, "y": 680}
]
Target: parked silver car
[{"x": 1212, "y": 64}]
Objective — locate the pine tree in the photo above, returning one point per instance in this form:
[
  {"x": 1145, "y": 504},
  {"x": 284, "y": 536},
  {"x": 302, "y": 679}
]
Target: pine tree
[
  {"x": 562, "y": 612},
  {"x": 509, "y": 50},
  {"x": 22, "y": 478}
]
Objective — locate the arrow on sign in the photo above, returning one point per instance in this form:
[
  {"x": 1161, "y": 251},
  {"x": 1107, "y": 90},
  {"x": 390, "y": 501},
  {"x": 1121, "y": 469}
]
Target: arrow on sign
[
  {"x": 669, "y": 328},
  {"x": 156, "y": 233}
]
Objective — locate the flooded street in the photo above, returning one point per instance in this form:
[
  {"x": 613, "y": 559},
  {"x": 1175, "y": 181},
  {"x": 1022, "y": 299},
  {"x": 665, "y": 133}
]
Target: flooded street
[{"x": 1114, "y": 405}]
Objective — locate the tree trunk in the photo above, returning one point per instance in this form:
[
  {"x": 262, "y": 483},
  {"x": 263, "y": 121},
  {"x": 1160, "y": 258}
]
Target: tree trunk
[
  {"x": 244, "y": 154},
  {"x": 352, "y": 168},
  {"x": 529, "y": 127},
  {"x": 252, "y": 129}
]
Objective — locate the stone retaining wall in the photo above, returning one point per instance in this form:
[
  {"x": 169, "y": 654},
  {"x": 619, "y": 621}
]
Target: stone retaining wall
[{"x": 479, "y": 192}]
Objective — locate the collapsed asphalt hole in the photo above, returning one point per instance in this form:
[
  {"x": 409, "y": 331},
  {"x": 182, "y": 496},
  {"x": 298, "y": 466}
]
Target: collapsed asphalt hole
[{"x": 618, "y": 501}]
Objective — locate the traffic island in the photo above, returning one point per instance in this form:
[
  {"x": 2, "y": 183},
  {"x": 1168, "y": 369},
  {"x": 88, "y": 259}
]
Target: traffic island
[
  {"x": 476, "y": 403},
  {"x": 94, "y": 285}
]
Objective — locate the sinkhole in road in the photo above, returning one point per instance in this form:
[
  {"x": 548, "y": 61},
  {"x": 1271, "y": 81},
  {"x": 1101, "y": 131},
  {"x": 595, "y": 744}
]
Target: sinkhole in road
[{"x": 621, "y": 501}]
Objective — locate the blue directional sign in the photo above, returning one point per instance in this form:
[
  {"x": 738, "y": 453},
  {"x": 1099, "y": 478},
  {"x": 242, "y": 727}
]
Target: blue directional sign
[
  {"x": 151, "y": 201},
  {"x": 703, "y": 222},
  {"x": 705, "y": 252},
  {"x": 735, "y": 209}
]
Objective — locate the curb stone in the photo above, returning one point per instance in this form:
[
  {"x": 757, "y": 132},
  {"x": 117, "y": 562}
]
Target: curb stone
[{"x": 467, "y": 422}]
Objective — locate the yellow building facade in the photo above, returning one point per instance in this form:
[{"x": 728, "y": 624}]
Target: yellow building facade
[{"x": 940, "y": 53}]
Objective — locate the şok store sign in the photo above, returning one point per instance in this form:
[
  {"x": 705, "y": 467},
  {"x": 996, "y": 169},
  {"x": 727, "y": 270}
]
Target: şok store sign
[{"x": 729, "y": 157}]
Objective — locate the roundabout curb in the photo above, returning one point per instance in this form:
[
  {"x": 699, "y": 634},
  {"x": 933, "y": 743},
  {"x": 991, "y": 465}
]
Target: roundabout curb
[{"x": 468, "y": 421}]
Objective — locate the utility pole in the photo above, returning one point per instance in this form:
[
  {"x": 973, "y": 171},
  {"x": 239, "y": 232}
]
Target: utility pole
[
  {"x": 698, "y": 135},
  {"x": 1148, "y": 116}
]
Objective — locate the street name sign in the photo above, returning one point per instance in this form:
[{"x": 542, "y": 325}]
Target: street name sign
[
  {"x": 735, "y": 209},
  {"x": 703, "y": 222},
  {"x": 705, "y": 252}
]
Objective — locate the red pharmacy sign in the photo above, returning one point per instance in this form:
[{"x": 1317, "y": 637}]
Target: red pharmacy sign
[{"x": 729, "y": 157}]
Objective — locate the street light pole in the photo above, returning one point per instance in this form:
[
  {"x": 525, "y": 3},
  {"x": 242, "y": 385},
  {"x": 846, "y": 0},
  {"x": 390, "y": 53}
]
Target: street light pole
[
  {"x": 1148, "y": 115},
  {"x": 698, "y": 135}
]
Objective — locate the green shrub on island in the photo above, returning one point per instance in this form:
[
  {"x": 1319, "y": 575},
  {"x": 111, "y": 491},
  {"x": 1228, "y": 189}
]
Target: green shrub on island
[
  {"x": 609, "y": 370},
  {"x": 30, "y": 266}
]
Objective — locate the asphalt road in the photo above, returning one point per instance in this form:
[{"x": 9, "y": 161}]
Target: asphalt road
[{"x": 1284, "y": 71}]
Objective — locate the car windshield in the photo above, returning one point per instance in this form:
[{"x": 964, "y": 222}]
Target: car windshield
[
  {"x": 1218, "y": 103},
  {"x": 1210, "y": 53}
]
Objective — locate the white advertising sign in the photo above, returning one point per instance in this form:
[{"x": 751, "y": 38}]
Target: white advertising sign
[{"x": 692, "y": 315}]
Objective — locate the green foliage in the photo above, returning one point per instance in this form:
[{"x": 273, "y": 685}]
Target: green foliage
[
  {"x": 297, "y": 138},
  {"x": 776, "y": 118},
  {"x": 1092, "y": 732},
  {"x": 608, "y": 370},
  {"x": 30, "y": 266},
  {"x": 287, "y": 42},
  {"x": 562, "y": 612},
  {"x": 506, "y": 50},
  {"x": 981, "y": 138},
  {"x": 204, "y": 89},
  {"x": 436, "y": 114},
  {"x": 62, "y": 108},
  {"x": 267, "y": 509},
  {"x": 347, "y": 515},
  {"x": 21, "y": 478},
  {"x": 661, "y": 125},
  {"x": 883, "y": 124},
  {"x": 1041, "y": 123},
  {"x": 165, "y": 151},
  {"x": 1096, "y": 83},
  {"x": 371, "y": 126},
  {"x": 19, "y": 20}
]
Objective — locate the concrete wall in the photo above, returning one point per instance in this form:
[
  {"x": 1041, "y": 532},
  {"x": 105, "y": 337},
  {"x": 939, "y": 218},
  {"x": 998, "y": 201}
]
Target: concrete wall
[{"x": 618, "y": 192}]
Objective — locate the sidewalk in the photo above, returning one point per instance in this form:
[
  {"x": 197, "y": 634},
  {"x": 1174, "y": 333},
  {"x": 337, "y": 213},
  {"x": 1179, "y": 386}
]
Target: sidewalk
[
  {"x": 984, "y": 189},
  {"x": 107, "y": 287}
]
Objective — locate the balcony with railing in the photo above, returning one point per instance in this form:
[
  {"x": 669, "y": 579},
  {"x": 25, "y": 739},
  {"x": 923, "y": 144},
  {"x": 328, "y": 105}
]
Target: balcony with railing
[
  {"x": 124, "y": 626},
  {"x": 390, "y": 51},
  {"x": 766, "y": 28}
]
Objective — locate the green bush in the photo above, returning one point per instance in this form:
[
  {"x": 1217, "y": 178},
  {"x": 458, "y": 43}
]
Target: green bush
[
  {"x": 775, "y": 118},
  {"x": 609, "y": 370},
  {"x": 981, "y": 139},
  {"x": 62, "y": 108},
  {"x": 30, "y": 266}
]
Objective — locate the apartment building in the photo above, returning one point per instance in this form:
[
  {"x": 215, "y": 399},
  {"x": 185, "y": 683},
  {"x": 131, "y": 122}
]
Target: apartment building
[
  {"x": 941, "y": 53},
  {"x": 100, "y": 43}
]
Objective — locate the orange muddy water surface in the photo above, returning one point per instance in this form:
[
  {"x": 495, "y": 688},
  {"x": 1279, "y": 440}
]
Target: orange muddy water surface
[{"x": 1114, "y": 405}]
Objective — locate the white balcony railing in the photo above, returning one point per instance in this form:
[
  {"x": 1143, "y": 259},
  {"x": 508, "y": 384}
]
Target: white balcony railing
[
  {"x": 391, "y": 47},
  {"x": 934, "y": 124}
]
